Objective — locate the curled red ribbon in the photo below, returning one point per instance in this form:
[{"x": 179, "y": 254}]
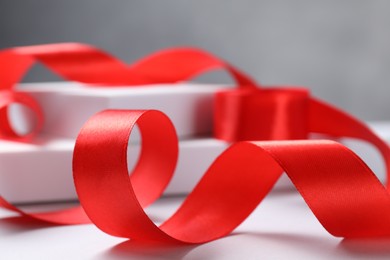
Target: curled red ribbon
[
  {"x": 323, "y": 171},
  {"x": 339, "y": 188}
]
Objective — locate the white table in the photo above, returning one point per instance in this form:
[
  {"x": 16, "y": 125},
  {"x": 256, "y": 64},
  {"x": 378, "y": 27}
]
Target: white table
[{"x": 282, "y": 227}]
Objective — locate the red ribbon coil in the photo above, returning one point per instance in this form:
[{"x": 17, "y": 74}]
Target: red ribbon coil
[{"x": 340, "y": 189}]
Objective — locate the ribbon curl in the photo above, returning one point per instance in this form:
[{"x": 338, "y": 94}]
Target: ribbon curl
[
  {"x": 339, "y": 188},
  {"x": 330, "y": 177}
]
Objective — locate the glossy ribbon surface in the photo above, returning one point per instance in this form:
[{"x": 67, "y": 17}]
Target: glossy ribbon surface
[{"x": 339, "y": 188}]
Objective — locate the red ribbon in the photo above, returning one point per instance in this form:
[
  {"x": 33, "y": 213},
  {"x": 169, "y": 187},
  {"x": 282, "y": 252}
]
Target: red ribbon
[{"x": 339, "y": 188}]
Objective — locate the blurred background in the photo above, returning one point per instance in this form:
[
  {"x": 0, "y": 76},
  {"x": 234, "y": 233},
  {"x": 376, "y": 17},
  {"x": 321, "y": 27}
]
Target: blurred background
[{"x": 340, "y": 49}]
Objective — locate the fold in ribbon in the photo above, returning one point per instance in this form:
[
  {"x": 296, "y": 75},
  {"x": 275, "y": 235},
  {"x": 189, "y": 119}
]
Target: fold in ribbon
[{"x": 341, "y": 191}]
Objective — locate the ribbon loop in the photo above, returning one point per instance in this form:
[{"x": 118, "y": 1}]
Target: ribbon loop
[
  {"x": 8, "y": 98},
  {"x": 100, "y": 155}
]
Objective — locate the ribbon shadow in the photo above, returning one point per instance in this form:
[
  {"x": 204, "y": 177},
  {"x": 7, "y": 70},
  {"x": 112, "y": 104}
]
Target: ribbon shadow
[
  {"x": 147, "y": 250},
  {"x": 369, "y": 248},
  {"x": 19, "y": 224}
]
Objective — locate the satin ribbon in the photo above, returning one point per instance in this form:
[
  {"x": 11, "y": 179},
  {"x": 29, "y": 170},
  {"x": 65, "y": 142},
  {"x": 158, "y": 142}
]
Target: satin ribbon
[
  {"x": 89, "y": 65},
  {"x": 339, "y": 188},
  {"x": 248, "y": 112}
]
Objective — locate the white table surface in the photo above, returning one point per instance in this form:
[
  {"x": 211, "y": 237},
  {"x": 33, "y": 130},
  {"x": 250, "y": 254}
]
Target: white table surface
[{"x": 282, "y": 227}]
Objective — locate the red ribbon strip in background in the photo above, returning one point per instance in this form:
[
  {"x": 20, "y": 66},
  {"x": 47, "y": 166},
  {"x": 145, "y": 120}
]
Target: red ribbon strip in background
[
  {"x": 86, "y": 64},
  {"x": 341, "y": 191}
]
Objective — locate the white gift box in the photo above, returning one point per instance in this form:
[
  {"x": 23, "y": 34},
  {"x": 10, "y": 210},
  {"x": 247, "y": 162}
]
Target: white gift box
[
  {"x": 67, "y": 105},
  {"x": 42, "y": 171}
]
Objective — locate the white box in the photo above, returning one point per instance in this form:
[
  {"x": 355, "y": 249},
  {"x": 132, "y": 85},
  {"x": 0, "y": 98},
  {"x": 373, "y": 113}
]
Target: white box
[
  {"x": 67, "y": 105},
  {"x": 42, "y": 171}
]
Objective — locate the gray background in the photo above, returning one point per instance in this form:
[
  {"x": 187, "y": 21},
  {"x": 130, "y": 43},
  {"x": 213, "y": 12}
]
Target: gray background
[{"x": 340, "y": 49}]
